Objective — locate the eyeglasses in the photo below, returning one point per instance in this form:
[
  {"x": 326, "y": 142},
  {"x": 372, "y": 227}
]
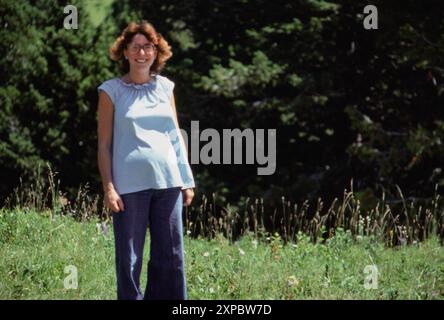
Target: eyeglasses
[{"x": 149, "y": 48}]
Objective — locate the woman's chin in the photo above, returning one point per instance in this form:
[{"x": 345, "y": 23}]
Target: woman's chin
[{"x": 140, "y": 66}]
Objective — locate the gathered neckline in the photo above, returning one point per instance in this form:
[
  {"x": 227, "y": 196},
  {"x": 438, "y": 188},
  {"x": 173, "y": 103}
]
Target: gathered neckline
[{"x": 140, "y": 85}]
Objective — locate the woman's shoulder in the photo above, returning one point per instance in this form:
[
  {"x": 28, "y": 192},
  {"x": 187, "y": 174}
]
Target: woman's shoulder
[
  {"x": 166, "y": 82},
  {"x": 111, "y": 87},
  {"x": 111, "y": 81},
  {"x": 162, "y": 78}
]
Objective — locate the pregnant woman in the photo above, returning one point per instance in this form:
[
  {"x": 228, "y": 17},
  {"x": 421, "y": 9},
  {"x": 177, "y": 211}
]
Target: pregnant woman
[{"x": 144, "y": 166}]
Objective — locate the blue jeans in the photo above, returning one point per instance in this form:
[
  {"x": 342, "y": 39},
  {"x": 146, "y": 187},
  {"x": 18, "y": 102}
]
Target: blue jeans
[{"x": 161, "y": 211}]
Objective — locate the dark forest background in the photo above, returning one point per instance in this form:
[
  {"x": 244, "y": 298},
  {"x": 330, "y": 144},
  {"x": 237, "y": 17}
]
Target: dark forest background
[{"x": 347, "y": 103}]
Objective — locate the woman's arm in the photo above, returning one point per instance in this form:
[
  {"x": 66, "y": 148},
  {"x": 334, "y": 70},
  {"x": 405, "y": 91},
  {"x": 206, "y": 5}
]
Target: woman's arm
[
  {"x": 105, "y": 116},
  {"x": 188, "y": 193},
  {"x": 176, "y": 120}
]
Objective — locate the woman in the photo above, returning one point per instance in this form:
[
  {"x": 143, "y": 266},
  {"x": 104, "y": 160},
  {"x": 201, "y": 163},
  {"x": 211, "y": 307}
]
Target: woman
[{"x": 143, "y": 165}]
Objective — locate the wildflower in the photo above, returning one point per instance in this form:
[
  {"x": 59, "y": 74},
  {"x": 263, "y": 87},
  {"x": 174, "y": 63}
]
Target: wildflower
[
  {"x": 242, "y": 252},
  {"x": 104, "y": 228},
  {"x": 292, "y": 281},
  {"x": 63, "y": 200},
  {"x": 206, "y": 254}
]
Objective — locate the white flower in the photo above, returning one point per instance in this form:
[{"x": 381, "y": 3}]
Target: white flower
[
  {"x": 104, "y": 228},
  {"x": 292, "y": 281},
  {"x": 206, "y": 254},
  {"x": 242, "y": 252}
]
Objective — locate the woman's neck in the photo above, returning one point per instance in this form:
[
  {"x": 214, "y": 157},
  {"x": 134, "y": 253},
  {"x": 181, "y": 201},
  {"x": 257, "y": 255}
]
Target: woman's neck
[{"x": 138, "y": 77}]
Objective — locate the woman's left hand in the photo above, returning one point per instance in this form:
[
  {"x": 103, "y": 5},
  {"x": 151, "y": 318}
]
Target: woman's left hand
[{"x": 188, "y": 195}]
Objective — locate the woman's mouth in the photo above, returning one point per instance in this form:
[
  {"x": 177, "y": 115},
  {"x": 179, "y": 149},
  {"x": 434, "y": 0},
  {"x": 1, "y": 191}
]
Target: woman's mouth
[{"x": 140, "y": 60}]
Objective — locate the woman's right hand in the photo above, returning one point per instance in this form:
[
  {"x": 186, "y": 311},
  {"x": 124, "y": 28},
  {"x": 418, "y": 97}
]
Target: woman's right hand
[{"x": 113, "y": 201}]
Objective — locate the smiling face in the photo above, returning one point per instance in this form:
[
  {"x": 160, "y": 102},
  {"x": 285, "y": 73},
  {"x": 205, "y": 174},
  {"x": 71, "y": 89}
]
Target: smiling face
[{"x": 141, "y": 53}]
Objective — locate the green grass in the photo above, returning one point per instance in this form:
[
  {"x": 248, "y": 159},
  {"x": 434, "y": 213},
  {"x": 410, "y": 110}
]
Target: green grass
[{"x": 35, "y": 250}]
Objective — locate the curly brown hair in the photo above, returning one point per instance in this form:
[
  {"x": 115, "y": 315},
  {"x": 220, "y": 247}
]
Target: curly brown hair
[{"x": 145, "y": 28}]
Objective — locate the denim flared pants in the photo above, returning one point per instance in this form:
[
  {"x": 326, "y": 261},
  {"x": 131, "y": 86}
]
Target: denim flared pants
[{"x": 160, "y": 210}]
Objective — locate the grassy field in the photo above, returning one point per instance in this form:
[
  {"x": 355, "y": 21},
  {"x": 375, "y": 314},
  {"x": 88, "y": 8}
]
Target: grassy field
[{"x": 36, "y": 248}]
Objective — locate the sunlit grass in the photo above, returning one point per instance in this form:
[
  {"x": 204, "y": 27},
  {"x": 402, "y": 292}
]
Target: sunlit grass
[{"x": 36, "y": 247}]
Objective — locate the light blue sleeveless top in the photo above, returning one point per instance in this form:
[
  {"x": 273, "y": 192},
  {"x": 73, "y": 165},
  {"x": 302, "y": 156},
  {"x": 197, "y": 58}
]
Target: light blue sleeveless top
[{"x": 147, "y": 149}]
